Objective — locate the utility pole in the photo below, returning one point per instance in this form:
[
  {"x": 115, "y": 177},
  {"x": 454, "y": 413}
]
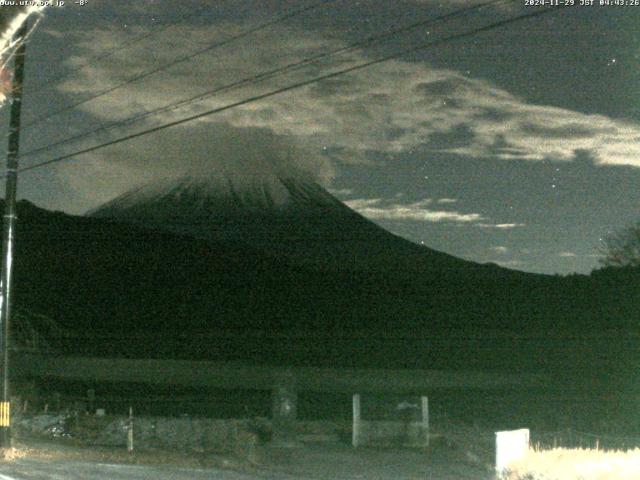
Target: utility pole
[{"x": 9, "y": 234}]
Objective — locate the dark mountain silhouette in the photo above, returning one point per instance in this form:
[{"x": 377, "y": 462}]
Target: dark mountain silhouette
[
  {"x": 287, "y": 218},
  {"x": 124, "y": 290}
]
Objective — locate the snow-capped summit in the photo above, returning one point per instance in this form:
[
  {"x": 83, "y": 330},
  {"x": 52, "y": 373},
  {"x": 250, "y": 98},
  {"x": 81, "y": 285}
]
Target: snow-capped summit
[
  {"x": 182, "y": 201},
  {"x": 282, "y": 216}
]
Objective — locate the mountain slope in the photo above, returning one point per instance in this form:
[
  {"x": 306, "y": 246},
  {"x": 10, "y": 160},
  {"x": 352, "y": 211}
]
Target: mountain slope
[
  {"x": 284, "y": 217},
  {"x": 124, "y": 290}
]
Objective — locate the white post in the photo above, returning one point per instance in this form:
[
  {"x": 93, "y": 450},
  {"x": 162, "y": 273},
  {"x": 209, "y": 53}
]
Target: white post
[
  {"x": 130, "y": 431},
  {"x": 356, "y": 420},
  {"x": 510, "y": 446},
  {"x": 425, "y": 419}
]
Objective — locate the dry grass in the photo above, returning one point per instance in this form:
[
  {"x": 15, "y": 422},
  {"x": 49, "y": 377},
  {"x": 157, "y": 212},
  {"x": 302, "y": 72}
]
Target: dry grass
[
  {"x": 577, "y": 464},
  {"x": 10, "y": 454}
]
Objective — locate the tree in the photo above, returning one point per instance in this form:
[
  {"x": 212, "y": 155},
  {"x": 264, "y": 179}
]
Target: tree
[{"x": 622, "y": 249}]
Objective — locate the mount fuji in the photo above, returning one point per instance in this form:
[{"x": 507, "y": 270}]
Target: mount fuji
[
  {"x": 285, "y": 217},
  {"x": 155, "y": 293},
  {"x": 290, "y": 258}
]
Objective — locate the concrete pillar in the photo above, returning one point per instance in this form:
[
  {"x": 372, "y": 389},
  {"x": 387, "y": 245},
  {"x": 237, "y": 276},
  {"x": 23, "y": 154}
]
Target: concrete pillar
[
  {"x": 284, "y": 408},
  {"x": 425, "y": 420},
  {"x": 356, "y": 435}
]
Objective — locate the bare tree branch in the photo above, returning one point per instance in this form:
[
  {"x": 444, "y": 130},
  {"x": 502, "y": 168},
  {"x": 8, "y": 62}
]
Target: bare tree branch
[{"x": 622, "y": 249}]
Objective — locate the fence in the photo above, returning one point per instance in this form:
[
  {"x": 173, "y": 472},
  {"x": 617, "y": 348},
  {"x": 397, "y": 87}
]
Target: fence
[{"x": 407, "y": 424}]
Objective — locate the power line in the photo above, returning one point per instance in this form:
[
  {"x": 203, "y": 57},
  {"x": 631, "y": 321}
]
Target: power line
[
  {"x": 269, "y": 74},
  {"x": 179, "y": 60},
  {"x": 298, "y": 85}
]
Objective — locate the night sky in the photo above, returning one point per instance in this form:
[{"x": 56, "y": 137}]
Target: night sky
[{"x": 518, "y": 146}]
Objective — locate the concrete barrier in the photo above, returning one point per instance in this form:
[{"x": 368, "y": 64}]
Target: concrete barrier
[{"x": 511, "y": 446}]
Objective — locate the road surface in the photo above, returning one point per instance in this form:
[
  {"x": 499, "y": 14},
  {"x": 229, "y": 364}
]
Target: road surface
[{"x": 308, "y": 463}]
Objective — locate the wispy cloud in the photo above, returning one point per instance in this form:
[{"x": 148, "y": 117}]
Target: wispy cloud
[
  {"x": 341, "y": 191},
  {"x": 384, "y": 112},
  {"x": 392, "y": 209},
  {"x": 392, "y": 108},
  {"x": 510, "y": 263},
  {"x": 375, "y": 208},
  {"x": 501, "y": 226}
]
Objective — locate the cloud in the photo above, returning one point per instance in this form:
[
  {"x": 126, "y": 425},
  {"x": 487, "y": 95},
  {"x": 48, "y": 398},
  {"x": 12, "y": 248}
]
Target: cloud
[
  {"x": 375, "y": 209},
  {"x": 393, "y": 108},
  {"x": 499, "y": 249},
  {"x": 567, "y": 254},
  {"x": 246, "y": 155},
  {"x": 501, "y": 226},
  {"x": 363, "y": 203},
  {"x": 510, "y": 263},
  {"x": 341, "y": 191}
]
